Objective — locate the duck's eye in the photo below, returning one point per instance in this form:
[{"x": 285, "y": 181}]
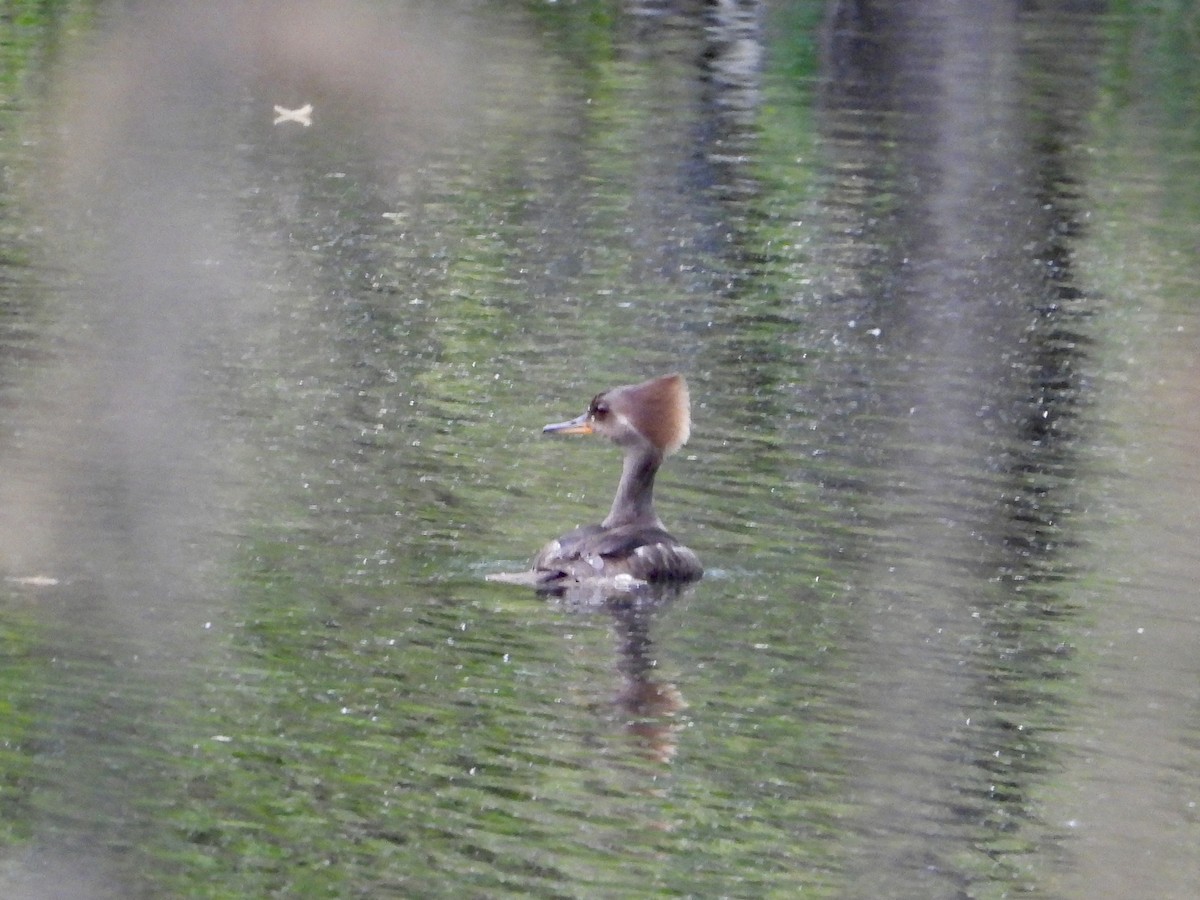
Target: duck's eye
[{"x": 600, "y": 409}]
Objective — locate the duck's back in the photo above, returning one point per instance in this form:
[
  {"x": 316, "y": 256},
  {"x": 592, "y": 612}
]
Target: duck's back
[{"x": 645, "y": 552}]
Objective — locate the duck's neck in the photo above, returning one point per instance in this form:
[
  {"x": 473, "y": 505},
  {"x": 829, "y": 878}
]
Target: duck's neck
[{"x": 634, "y": 503}]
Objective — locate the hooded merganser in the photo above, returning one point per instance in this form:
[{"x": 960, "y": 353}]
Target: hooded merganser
[{"x": 649, "y": 421}]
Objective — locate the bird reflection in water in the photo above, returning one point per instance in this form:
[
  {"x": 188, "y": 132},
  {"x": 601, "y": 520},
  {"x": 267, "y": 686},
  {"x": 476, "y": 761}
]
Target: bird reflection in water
[
  {"x": 648, "y": 706},
  {"x": 301, "y": 115}
]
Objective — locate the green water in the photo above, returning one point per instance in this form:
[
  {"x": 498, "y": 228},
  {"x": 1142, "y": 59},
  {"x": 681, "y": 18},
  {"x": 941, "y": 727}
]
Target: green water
[{"x": 270, "y": 411}]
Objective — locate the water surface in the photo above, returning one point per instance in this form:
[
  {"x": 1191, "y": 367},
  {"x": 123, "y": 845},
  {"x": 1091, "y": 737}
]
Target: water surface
[{"x": 270, "y": 410}]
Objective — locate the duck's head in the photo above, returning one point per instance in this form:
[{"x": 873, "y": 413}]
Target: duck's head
[{"x": 655, "y": 413}]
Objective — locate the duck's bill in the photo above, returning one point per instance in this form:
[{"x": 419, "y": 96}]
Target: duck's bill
[{"x": 578, "y": 425}]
